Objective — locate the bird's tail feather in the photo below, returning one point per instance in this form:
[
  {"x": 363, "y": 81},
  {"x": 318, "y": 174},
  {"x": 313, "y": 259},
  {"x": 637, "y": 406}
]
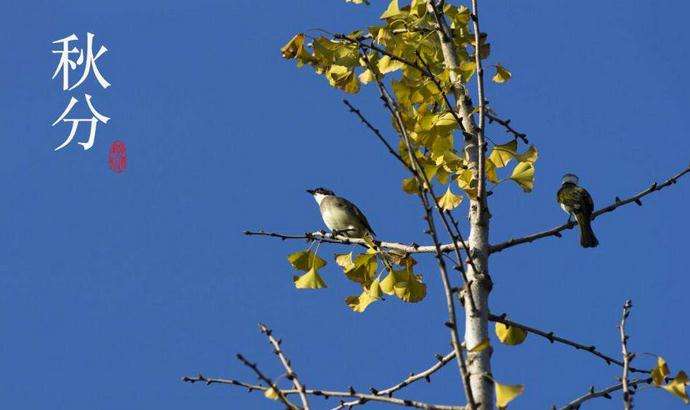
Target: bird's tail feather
[{"x": 587, "y": 237}]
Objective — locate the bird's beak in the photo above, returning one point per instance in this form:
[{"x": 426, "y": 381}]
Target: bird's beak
[{"x": 311, "y": 191}]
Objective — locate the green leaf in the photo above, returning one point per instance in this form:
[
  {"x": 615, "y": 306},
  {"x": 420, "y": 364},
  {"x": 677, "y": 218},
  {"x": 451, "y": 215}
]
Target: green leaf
[
  {"x": 305, "y": 260},
  {"x": 310, "y": 280},
  {"x": 502, "y": 75},
  {"x": 523, "y": 174}
]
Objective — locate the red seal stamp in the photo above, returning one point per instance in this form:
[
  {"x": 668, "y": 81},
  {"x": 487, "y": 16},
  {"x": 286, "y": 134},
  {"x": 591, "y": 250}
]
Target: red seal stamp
[{"x": 117, "y": 156}]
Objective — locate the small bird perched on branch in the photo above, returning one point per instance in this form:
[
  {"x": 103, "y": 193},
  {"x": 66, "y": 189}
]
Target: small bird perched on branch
[
  {"x": 340, "y": 215},
  {"x": 577, "y": 202}
]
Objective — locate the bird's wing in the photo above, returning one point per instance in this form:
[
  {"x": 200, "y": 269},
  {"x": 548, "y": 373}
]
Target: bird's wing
[
  {"x": 353, "y": 208},
  {"x": 586, "y": 200},
  {"x": 576, "y": 198}
]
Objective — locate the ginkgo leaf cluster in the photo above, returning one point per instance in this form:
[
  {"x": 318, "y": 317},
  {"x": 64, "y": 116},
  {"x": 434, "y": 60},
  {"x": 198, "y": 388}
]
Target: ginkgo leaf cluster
[{"x": 404, "y": 36}]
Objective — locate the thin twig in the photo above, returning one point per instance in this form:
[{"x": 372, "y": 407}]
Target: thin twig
[
  {"x": 627, "y": 357},
  {"x": 593, "y": 394},
  {"x": 506, "y": 124},
  {"x": 268, "y": 381},
  {"x": 326, "y": 393},
  {"x": 291, "y": 375},
  {"x": 375, "y": 130},
  {"x": 413, "y": 377},
  {"x": 616, "y": 204},
  {"x": 551, "y": 337}
]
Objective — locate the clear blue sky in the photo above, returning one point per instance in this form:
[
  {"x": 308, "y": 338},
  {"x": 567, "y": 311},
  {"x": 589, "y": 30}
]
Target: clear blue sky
[{"x": 112, "y": 287}]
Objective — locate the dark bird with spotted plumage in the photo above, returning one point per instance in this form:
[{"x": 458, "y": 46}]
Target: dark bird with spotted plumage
[{"x": 578, "y": 203}]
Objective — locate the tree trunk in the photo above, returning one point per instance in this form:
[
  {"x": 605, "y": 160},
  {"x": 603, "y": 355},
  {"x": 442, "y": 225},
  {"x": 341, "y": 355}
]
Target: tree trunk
[{"x": 476, "y": 324}]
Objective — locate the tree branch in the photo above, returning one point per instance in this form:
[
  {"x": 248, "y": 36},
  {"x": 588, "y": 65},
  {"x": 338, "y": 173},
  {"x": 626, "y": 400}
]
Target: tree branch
[
  {"x": 615, "y": 205},
  {"x": 627, "y": 357},
  {"x": 592, "y": 394},
  {"x": 413, "y": 377},
  {"x": 286, "y": 364},
  {"x": 506, "y": 124},
  {"x": 268, "y": 381},
  {"x": 326, "y": 393},
  {"x": 551, "y": 337}
]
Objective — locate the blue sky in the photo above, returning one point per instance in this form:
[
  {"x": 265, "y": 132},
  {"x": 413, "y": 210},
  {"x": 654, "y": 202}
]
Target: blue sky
[{"x": 112, "y": 287}]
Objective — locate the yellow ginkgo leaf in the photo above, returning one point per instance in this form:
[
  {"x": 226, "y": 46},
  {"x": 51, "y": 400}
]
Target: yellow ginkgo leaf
[
  {"x": 310, "y": 280},
  {"x": 510, "y": 335},
  {"x": 502, "y": 154},
  {"x": 366, "y": 77},
  {"x": 410, "y": 185},
  {"x": 449, "y": 200},
  {"x": 388, "y": 65},
  {"x": 480, "y": 347},
  {"x": 344, "y": 260},
  {"x": 343, "y": 78},
  {"x": 660, "y": 372},
  {"x": 368, "y": 296},
  {"x": 467, "y": 182},
  {"x": 293, "y": 46},
  {"x": 506, "y": 393},
  {"x": 271, "y": 393},
  {"x": 502, "y": 75},
  {"x": 531, "y": 155},
  {"x": 393, "y": 10},
  {"x": 677, "y": 386},
  {"x": 523, "y": 174},
  {"x": 490, "y": 171},
  {"x": 405, "y": 285},
  {"x": 305, "y": 260},
  {"x": 363, "y": 268}
]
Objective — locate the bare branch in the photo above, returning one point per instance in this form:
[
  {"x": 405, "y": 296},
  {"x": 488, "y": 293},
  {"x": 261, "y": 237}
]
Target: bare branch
[
  {"x": 593, "y": 394},
  {"x": 291, "y": 375},
  {"x": 268, "y": 381},
  {"x": 506, "y": 124},
  {"x": 615, "y": 205},
  {"x": 413, "y": 377},
  {"x": 551, "y": 337},
  {"x": 327, "y": 393},
  {"x": 627, "y": 357},
  {"x": 375, "y": 130}
]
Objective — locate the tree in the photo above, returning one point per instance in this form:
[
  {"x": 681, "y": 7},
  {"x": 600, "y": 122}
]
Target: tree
[{"x": 424, "y": 58}]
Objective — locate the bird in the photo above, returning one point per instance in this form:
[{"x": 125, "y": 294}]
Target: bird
[
  {"x": 577, "y": 202},
  {"x": 340, "y": 215}
]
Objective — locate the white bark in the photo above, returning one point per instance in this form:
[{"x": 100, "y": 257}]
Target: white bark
[{"x": 476, "y": 325}]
